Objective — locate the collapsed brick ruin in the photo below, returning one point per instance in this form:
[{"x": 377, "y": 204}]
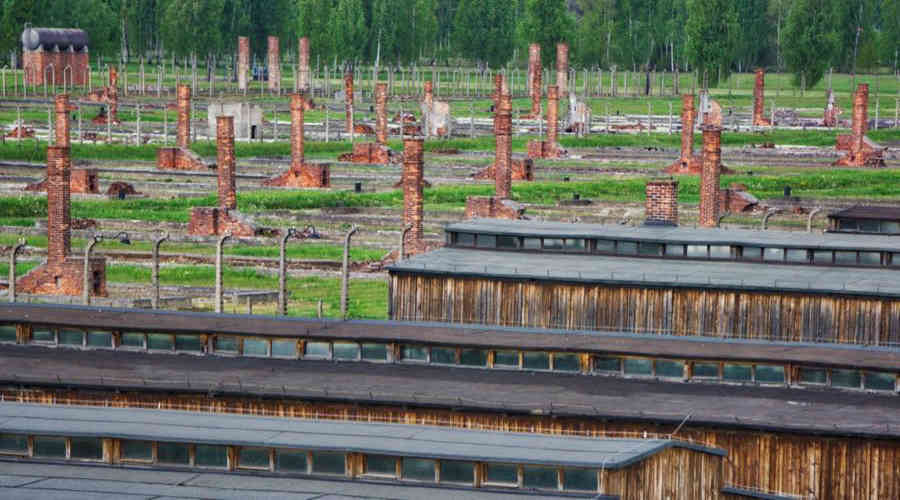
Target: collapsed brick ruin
[
  {"x": 301, "y": 174},
  {"x": 562, "y": 69},
  {"x": 377, "y": 152},
  {"x": 181, "y": 157},
  {"x": 534, "y": 78},
  {"x": 274, "y": 60},
  {"x": 709, "y": 177},
  {"x": 435, "y": 114},
  {"x": 109, "y": 96},
  {"x": 500, "y": 205},
  {"x": 832, "y": 111},
  {"x": 215, "y": 221},
  {"x": 303, "y": 66},
  {"x": 55, "y": 56},
  {"x": 661, "y": 204},
  {"x": 81, "y": 180},
  {"x": 861, "y": 151},
  {"x": 243, "y": 64},
  {"x": 521, "y": 169},
  {"x": 62, "y": 274},
  {"x": 759, "y": 96},
  {"x": 549, "y": 148}
]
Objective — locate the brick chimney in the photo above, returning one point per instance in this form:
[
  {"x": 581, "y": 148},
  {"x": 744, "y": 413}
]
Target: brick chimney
[
  {"x": 503, "y": 149},
  {"x": 59, "y": 222},
  {"x": 562, "y": 69},
  {"x": 243, "y": 61},
  {"x": 412, "y": 193},
  {"x": 113, "y": 96},
  {"x": 534, "y": 76},
  {"x": 348, "y": 101},
  {"x": 381, "y": 127},
  {"x": 62, "y": 120},
  {"x": 661, "y": 208},
  {"x": 860, "y": 115},
  {"x": 298, "y": 103},
  {"x": 303, "y": 56},
  {"x": 552, "y": 114},
  {"x": 274, "y": 57},
  {"x": 709, "y": 177},
  {"x": 428, "y": 98},
  {"x": 183, "y": 128},
  {"x": 225, "y": 161},
  {"x": 759, "y": 107},
  {"x": 688, "y": 115}
]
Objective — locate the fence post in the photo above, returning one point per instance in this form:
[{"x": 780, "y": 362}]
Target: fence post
[
  {"x": 282, "y": 272},
  {"x": 12, "y": 268},
  {"x": 219, "y": 245},
  {"x": 345, "y": 273}
]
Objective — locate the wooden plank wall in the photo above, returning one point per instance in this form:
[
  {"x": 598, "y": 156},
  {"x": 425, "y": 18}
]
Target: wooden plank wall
[
  {"x": 673, "y": 311},
  {"x": 674, "y": 474},
  {"x": 819, "y": 467}
]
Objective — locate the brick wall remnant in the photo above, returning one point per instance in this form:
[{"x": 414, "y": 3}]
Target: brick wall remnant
[
  {"x": 832, "y": 111},
  {"x": 534, "y": 78},
  {"x": 274, "y": 60},
  {"x": 759, "y": 101},
  {"x": 562, "y": 69},
  {"x": 301, "y": 174},
  {"x": 348, "y": 101},
  {"x": 243, "y": 65},
  {"x": 413, "y": 181},
  {"x": 549, "y": 148},
  {"x": 861, "y": 151},
  {"x": 661, "y": 205},
  {"x": 303, "y": 63},
  {"x": 45, "y": 58},
  {"x": 709, "y": 177}
]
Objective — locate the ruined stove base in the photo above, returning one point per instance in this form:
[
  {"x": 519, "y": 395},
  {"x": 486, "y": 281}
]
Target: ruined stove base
[
  {"x": 871, "y": 154},
  {"x": 179, "y": 159},
  {"x": 522, "y": 169},
  {"x": 65, "y": 278},
  {"x": 492, "y": 207},
  {"x": 309, "y": 175},
  {"x": 82, "y": 181},
  {"x": 216, "y": 221},
  {"x": 371, "y": 153},
  {"x": 545, "y": 149}
]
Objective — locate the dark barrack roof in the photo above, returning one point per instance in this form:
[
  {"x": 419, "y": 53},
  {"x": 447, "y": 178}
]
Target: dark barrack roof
[
  {"x": 868, "y": 212},
  {"x": 49, "y": 38}
]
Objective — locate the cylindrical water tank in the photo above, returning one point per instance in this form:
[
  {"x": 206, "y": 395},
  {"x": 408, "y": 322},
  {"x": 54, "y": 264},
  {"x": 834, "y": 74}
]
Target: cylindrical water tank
[{"x": 64, "y": 38}]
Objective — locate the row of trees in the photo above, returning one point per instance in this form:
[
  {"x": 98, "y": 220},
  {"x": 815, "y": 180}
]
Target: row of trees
[{"x": 713, "y": 36}]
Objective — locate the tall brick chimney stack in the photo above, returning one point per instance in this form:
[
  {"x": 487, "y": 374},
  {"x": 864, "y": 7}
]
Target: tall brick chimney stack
[
  {"x": 498, "y": 90},
  {"x": 709, "y": 177},
  {"x": 303, "y": 56},
  {"x": 534, "y": 77},
  {"x": 59, "y": 222},
  {"x": 298, "y": 103},
  {"x": 552, "y": 114},
  {"x": 183, "y": 128},
  {"x": 225, "y": 162},
  {"x": 113, "y": 93},
  {"x": 688, "y": 115},
  {"x": 381, "y": 126},
  {"x": 759, "y": 102},
  {"x": 62, "y": 121},
  {"x": 274, "y": 54},
  {"x": 243, "y": 62},
  {"x": 661, "y": 208},
  {"x": 348, "y": 101},
  {"x": 562, "y": 69},
  {"x": 429, "y": 93},
  {"x": 412, "y": 194},
  {"x": 860, "y": 115},
  {"x": 503, "y": 150}
]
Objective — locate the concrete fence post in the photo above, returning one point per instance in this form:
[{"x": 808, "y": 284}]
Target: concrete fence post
[
  {"x": 219, "y": 244},
  {"x": 345, "y": 272},
  {"x": 765, "y": 219},
  {"x": 809, "y": 219},
  {"x": 12, "y": 268},
  {"x": 154, "y": 270},
  {"x": 85, "y": 287},
  {"x": 282, "y": 272},
  {"x": 403, "y": 234}
]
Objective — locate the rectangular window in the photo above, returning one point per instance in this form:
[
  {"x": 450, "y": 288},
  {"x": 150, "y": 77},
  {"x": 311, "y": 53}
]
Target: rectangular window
[
  {"x": 770, "y": 374},
  {"x": 173, "y": 453},
  {"x": 457, "y": 472},
  {"x": 531, "y": 243},
  {"x": 508, "y": 242},
  {"x": 160, "y": 341},
  {"x": 609, "y": 364},
  {"x": 536, "y": 360},
  {"x": 253, "y": 458},
  {"x": 415, "y": 353},
  {"x": 418, "y": 469},
  {"x": 327, "y": 462},
  {"x": 751, "y": 253},
  {"x": 890, "y": 227},
  {"x": 773, "y": 254},
  {"x": 465, "y": 239},
  {"x": 506, "y": 359},
  {"x": 870, "y": 258},
  {"x": 43, "y": 335},
  {"x": 823, "y": 256},
  {"x": 473, "y": 357},
  {"x": 553, "y": 244},
  {"x": 669, "y": 369},
  {"x": 879, "y": 381},
  {"x": 638, "y": 366},
  {"x": 544, "y": 478},
  {"x": 847, "y": 225},
  {"x": 290, "y": 461},
  {"x": 346, "y": 351},
  {"x": 817, "y": 376},
  {"x": 574, "y": 245},
  {"x": 605, "y": 246},
  {"x": 374, "y": 352},
  {"x": 7, "y": 333},
  {"x": 579, "y": 480},
  {"x": 284, "y": 348},
  {"x": 443, "y": 355},
  {"x": 566, "y": 362},
  {"x": 206, "y": 455},
  {"x": 136, "y": 450},
  {"x": 848, "y": 379},
  {"x": 189, "y": 343},
  {"x": 14, "y": 443},
  {"x": 845, "y": 258},
  {"x": 737, "y": 373},
  {"x": 318, "y": 350},
  {"x": 256, "y": 347},
  {"x": 226, "y": 344},
  {"x": 502, "y": 474},
  {"x": 486, "y": 241},
  {"x": 99, "y": 339},
  {"x": 706, "y": 370},
  {"x": 86, "y": 448},
  {"x": 133, "y": 340},
  {"x": 869, "y": 226},
  {"x": 895, "y": 259},
  {"x": 674, "y": 250},
  {"x": 796, "y": 255},
  {"x": 71, "y": 338},
  {"x": 50, "y": 446},
  {"x": 650, "y": 249},
  {"x": 697, "y": 251},
  {"x": 719, "y": 252},
  {"x": 626, "y": 248}
]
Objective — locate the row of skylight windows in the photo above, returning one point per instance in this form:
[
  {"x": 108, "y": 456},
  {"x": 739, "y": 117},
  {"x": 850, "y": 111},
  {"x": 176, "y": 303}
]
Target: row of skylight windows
[
  {"x": 472, "y": 357},
  {"x": 679, "y": 250},
  {"x": 299, "y": 462}
]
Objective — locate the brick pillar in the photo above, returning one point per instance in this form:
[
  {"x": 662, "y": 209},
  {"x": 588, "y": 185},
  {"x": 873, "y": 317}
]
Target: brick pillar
[
  {"x": 303, "y": 63},
  {"x": 759, "y": 98},
  {"x": 412, "y": 192},
  {"x": 298, "y": 102},
  {"x": 661, "y": 207},
  {"x": 225, "y": 161},
  {"x": 381, "y": 128},
  {"x": 503, "y": 149},
  {"x": 183, "y": 128},
  {"x": 243, "y": 62},
  {"x": 534, "y": 76},
  {"x": 429, "y": 93},
  {"x": 348, "y": 101},
  {"x": 562, "y": 69},
  {"x": 59, "y": 222},
  {"x": 709, "y": 177},
  {"x": 113, "y": 93},
  {"x": 274, "y": 64},
  {"x": 860, "y": 116},
  {"x": 552, "y": 114},
  {"x": 498, "y": 90},
  {"x": 62, "y": 121},
  {"x": 688, "y": 115}
]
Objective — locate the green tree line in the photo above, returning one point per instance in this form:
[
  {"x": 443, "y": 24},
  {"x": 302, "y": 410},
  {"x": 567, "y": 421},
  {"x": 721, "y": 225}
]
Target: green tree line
[{"x": 713, "y": 37}]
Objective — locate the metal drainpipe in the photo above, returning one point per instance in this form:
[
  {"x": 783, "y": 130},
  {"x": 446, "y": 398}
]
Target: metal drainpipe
[
  {"x": 345, "y": 274},
  {"x": 403, "y": 234},
  {"x": 12, "y": 268},
  {"x": 86, "y": 289},
  {"x": 810, "y": 218},
  {"x": 282, "y": 272},
  {"x": 219, "y": 245},
  {"x": 154, "y": 273}
]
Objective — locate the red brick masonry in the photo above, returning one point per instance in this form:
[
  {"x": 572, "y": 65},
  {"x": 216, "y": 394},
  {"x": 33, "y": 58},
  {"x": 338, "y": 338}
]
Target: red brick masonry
[
  {"x": 861, "y": 151},
  {"x": 661, "y": 206}
]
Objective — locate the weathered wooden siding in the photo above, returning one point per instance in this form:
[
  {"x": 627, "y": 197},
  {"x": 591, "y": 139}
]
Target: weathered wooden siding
[
  {"x": 674, "y": 474},
  {"x": 824, "y": 467},
  {"x": 674, "y": 311}
]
